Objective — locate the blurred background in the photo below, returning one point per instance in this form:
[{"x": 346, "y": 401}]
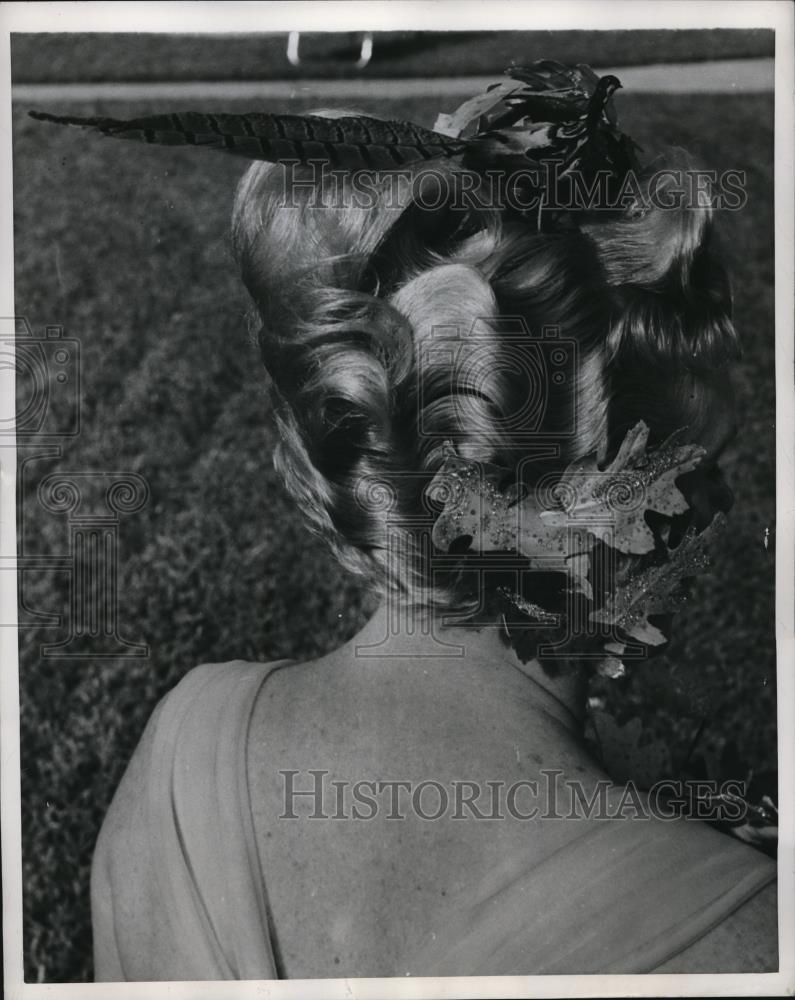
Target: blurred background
[{"x": 140, "y": 388}]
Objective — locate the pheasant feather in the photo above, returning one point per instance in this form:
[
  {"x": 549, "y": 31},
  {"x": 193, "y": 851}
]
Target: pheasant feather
[
  {"x": 543, "y": 113},
  {"x": 348, "y": 143}
]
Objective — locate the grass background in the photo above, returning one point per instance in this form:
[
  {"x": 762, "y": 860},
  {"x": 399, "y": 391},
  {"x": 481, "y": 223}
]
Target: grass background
[
  {"x": 126, "y": 248},
  {"x": 80, "y": 57}
]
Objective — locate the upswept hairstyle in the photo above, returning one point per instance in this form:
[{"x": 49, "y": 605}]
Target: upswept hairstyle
[{"x": 388, "y": 328}]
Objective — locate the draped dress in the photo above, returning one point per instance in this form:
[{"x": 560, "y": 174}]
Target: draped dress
[{"x": 179, "y": 893}]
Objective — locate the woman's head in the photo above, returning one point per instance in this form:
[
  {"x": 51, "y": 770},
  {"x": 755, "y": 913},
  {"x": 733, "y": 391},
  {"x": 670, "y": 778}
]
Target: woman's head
[{"x": 393, "y": 322}]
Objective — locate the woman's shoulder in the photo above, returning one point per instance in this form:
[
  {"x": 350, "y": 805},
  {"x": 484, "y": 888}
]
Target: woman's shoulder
[
  {"x": 654, "y": 888},
  {"x": 626, "y": 894},
  {"x": 180, "y": 785},
  {"x": 714, "y": 897},
  {"x": 201, "y": 711}
]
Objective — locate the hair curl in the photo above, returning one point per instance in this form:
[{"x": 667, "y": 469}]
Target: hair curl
[{"x": 358, "y": 306}]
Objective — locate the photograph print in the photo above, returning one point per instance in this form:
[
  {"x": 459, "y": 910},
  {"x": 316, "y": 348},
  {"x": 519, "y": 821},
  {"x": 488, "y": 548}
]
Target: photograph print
[{"x": 395, "y": 502}]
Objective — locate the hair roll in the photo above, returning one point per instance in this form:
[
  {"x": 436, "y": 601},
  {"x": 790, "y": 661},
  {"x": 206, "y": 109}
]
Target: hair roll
[
  {"x": 387, "y": 330},
  {"x": 671, "y": 296}
]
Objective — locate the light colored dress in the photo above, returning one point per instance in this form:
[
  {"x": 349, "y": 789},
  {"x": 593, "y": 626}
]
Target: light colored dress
[{"x": 178, "y": 892}]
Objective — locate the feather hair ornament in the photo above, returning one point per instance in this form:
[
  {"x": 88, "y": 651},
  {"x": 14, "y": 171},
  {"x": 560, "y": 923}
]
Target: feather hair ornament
[
  {"x": 622, "y": 563},
  {"x": 350, "y": 143},
  {"x": 543, "y": 113}
]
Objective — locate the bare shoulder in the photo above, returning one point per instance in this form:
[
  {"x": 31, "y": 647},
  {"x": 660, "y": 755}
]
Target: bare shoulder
[
  {"x": 325, "y": 709},
  {"x": 745, "y": 941}
]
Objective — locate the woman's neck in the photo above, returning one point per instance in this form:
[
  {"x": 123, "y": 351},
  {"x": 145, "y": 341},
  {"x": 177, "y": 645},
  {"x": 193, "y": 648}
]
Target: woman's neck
[{"x": 423, "y": 637}]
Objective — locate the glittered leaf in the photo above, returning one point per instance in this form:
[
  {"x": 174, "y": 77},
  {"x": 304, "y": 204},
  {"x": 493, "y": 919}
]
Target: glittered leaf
[
  {"x": 616, "y": 584},
  {"x": 656, "y": 589},
  {"x": 531, "y": 611},
  {"x": 613, "y": 502},
  {"x": 480, "y": 517},
  {"x": 535, "y": 633}
]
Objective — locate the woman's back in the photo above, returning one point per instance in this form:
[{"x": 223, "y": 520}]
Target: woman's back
[
  {"x": 426, "y": 856},
  {"x": 419, "y": 739},
  {"x": 402, "y": 892}
]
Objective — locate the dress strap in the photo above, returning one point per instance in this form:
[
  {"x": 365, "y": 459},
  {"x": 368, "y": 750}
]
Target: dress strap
[{"x": 199, "y": 816}]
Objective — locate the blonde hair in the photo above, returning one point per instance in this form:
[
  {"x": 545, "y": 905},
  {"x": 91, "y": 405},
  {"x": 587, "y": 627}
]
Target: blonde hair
[{"x": 387, "y": 329}]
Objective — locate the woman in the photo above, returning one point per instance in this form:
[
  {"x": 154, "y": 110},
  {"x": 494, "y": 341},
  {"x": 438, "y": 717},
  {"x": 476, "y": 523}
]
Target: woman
[{"x": 285, "y": 819}]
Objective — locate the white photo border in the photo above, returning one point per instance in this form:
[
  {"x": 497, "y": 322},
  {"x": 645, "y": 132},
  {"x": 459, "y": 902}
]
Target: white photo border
[{"x": 440, "y": 15}]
